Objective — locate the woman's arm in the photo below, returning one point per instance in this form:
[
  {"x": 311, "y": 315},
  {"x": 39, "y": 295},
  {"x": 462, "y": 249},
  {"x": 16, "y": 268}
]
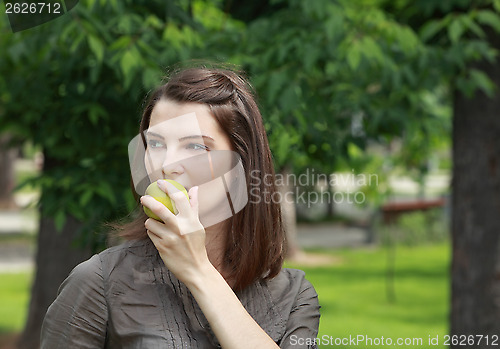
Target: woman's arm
[
  {"x": 303, "y": 313},
  {"x": 180, "y": 240},
  {"x": 229, "y": 320}
]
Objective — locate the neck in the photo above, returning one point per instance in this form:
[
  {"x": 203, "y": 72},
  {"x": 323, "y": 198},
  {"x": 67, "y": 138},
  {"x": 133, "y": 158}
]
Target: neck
[{"x": 215, "y": 244}]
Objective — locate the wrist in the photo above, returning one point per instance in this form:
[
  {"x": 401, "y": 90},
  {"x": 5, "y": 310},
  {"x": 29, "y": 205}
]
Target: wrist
[
  {"x": 202, "y": 278},
  {"x": 199, "y": 276}
]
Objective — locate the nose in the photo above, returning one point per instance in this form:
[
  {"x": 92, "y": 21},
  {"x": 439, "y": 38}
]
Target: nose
[{"x": 172, "y": 166}]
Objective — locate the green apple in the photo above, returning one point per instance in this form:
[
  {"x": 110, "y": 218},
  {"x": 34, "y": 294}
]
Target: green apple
[{"x": 154, "y": 190}]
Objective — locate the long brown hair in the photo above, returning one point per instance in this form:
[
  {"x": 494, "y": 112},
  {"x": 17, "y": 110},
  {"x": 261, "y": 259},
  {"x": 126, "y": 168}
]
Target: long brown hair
[{"x": 255, "y": 237}]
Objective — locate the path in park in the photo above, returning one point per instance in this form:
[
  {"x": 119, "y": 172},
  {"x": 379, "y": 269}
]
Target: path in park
[{"x": 18, "y": 254}]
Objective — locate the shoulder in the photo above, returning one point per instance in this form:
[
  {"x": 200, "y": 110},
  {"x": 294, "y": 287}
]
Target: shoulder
[
  {"x": 143, "y": 247},
  {"x": 99, "y": 267},
  {"x": 298, "y": 301},
  {"x": 87, "y": 275},
  {"x": 126, "y": 255},
  {"x": 289, "y": 285},
  {"x": 78, "y": 315},
  {"x": 293, "y": 308}
]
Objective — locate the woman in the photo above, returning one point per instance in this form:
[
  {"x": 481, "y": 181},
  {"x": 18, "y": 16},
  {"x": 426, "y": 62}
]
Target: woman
[{"x": 178, "y": 283}]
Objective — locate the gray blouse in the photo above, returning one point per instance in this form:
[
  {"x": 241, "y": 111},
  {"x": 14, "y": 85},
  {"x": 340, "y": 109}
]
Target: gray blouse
[{"x": 125, "y": 297}]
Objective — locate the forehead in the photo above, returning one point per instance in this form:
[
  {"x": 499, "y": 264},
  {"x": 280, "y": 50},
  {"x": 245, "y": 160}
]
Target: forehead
[{"x": 168, "y": 115}]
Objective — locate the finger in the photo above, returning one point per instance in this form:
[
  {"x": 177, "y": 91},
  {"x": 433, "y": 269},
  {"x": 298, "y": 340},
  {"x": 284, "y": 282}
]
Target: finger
[
  {"x": 155, "y": 238},
  {"x": 157, "y": 208},
  {"x": 178, "y": 197},
  {"x": 154, "y": 227},
  {"x": 159, "y": 230},
  {"x": 157, "y": 241}
]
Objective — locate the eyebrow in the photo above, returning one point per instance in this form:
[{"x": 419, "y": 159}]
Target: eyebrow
[{"x": 183, "y": 138}]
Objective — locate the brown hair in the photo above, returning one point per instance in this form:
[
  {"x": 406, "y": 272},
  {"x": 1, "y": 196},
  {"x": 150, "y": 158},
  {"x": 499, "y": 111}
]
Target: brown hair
[{"x": 255, "y": 239}]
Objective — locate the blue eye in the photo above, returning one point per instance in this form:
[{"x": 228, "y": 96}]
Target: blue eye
[
  {"x": 197, "y": 146},
  {"x": 154, "y": 144}
]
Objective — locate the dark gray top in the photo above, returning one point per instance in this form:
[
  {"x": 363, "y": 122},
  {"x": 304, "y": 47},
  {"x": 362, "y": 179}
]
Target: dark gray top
[{"x": 125, "y": 297}]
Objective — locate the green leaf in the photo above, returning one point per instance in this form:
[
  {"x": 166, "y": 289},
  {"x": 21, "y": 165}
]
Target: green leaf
[
  {"x": 153, "y": 21},
  {"x": 472, "y": 26},
  {"x": 430, "y": 29},
  {"x": 97, "y": 47},
  {"x": 276, "y": 83},
  {"x": 76, "y": 42},
  {"x": 407, "y": 39},
  {"x": 121, "y": 43},
  {"x": 128, "y": 63},
  {"x": 95, "y": 112},
  {"x": 483, "y": 82},
  {"x": 333, "y": 26},
  {"x": 354, "y": 56},
  {"x": 59, "y": 220},
  {"x": 151, "y": 77},
  {"x": 455, "y": 30},
  {"x": 284, "y": 144},
  {"x": 331, "y": 68},
  {"x": 489, "y": 18},
  {"x": 372, "y": 51},
  {"x": 85, "y": 197},
  {"x": 105, "y": 191},
  {"x": 496, "y": 5}
]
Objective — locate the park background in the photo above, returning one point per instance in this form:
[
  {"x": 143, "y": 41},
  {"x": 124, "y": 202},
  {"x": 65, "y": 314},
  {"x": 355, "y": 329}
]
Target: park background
[{"x": 406, "y": 90}]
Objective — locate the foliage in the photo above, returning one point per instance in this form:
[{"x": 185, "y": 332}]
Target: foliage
[
  {"x": 74, "y": 87},
  {"x": 333, "y": 77},
  {"x": 332, "y": 74}
]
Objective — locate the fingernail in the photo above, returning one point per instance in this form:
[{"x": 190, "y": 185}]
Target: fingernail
[
  {"x": 145, "y": 197},
  {"x": 162, "y": 183}
]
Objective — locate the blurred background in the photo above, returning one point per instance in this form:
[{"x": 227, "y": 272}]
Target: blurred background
[{"x": 382, "y": 116}]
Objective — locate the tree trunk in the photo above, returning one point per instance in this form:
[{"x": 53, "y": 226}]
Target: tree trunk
[
  {"x": 475, "y": 307},
  {"x": 8, "y": 155},
  {"x": 56, "y": 257},
  {"x": 288, "y": 215}
]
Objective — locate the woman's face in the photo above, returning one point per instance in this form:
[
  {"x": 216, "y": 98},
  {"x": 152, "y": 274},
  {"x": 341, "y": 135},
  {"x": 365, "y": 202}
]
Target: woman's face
[{"x": 185, "y": 143}]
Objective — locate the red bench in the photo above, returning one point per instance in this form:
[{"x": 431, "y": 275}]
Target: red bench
[{"x": 392, "y": 210}]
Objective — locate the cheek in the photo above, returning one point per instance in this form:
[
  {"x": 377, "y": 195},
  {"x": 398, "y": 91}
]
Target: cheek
[{"x": 153, "y": 164}]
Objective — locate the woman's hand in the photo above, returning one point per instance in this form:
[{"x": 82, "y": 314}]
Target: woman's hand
[{"x": 180, "y": 239}]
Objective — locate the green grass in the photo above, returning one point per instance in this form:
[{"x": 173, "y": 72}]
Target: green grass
[
  {"x": 14, "y": 300},
  {"x": 354, "y": 302}
]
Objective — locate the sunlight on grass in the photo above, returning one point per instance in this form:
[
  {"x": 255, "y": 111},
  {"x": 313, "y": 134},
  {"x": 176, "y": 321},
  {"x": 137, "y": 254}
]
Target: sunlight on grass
[
  {"x": 14, "y": 300},
  {"x": 353, "y": 296}
]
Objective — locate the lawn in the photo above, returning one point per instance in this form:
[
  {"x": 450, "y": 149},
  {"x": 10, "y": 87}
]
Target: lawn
[
  {"x": 14, "y": 300},
  {"x": 352, "y": 294}
]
